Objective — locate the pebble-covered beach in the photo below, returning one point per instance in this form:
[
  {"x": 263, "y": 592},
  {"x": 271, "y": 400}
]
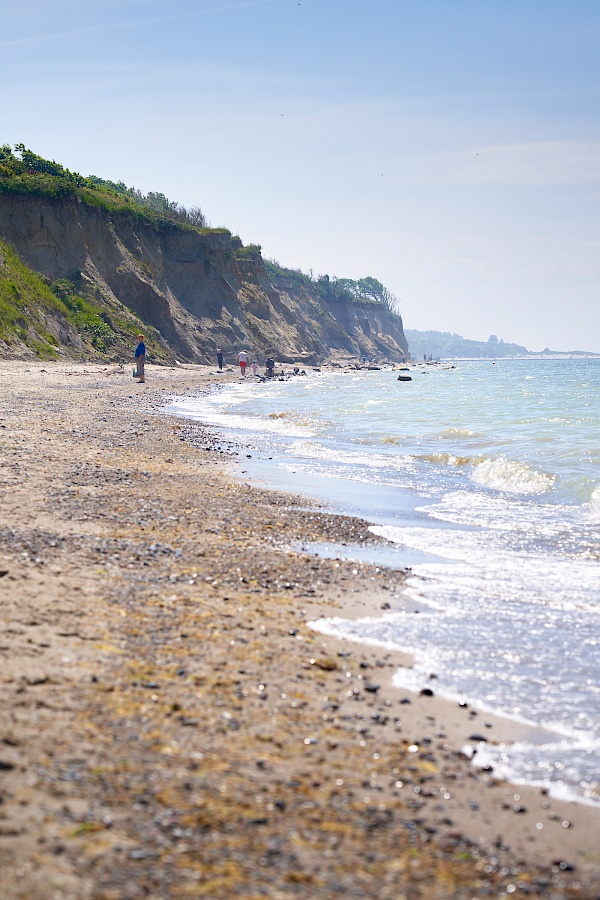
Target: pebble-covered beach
[{"x": 170, "y": 724}]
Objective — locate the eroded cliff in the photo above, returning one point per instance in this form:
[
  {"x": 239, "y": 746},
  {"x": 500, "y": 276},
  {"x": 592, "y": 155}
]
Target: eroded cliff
[{"x": 191, "y": 289}]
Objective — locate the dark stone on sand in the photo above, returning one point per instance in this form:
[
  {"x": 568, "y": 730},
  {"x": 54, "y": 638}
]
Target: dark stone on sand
[
  {"x": 478, "y": 737},
  {"x": 519, "y": 809},
  {"x": 6, "y": 766},
  {"x": 381, "y": 720},
  {"x": 372, "y": 688},
  {"x": 426, "y": 692}
]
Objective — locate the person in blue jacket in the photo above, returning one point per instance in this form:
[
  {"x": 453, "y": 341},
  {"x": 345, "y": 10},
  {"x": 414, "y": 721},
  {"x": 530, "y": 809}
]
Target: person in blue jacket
[
  {"x": 140, "y": 358},
  {"x": 220, "y": 359}
]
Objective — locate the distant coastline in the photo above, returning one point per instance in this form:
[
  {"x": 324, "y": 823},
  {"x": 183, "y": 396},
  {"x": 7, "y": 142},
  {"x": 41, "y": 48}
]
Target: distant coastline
[
  {"x": 447, "y": 345},
  {"x": 529, "y": 356}
]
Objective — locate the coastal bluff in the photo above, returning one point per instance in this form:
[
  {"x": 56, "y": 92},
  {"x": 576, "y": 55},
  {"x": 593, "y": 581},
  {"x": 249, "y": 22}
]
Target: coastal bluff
[{"x": 190, "y": 290}]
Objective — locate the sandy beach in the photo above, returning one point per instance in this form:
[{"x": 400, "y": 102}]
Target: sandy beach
[{"x": 172, "y": 727}]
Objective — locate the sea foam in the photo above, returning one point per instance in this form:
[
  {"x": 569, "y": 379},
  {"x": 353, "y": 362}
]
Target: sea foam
[{"x": 503, "y": 474}]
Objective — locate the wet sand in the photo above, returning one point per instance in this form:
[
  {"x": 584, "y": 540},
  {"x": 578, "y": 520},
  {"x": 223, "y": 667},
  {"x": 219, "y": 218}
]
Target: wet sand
[{"x": 172, "y": 727}]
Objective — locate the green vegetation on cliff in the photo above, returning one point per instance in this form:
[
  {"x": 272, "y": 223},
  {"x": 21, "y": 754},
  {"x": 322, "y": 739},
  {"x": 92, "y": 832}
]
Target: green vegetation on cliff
[
  {"x": 44, "y": 316},
  {"x": 364, "y": 290},
  {"x": 26, "y": 305},
  {"x": 24, "y": 172},
  {"x": 97, "y": 327}
]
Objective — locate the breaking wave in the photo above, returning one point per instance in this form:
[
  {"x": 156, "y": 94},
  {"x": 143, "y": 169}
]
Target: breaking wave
[{"x": 503, "y": 474}]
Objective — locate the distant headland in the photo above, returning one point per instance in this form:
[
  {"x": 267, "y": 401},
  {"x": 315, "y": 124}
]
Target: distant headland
[{"x": 445, "y": 345}]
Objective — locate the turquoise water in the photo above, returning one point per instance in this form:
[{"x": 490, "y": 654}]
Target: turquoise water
[{"x": 486, "y": 477}]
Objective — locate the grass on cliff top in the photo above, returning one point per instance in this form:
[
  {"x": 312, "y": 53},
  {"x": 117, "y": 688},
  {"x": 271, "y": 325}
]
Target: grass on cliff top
[{"x": 24, "y": 172}]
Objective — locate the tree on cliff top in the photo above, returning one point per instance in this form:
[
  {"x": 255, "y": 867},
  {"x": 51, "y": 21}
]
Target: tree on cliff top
[
  {"x": 372, "y": 290},
  {"x": 368, "y": 289}
]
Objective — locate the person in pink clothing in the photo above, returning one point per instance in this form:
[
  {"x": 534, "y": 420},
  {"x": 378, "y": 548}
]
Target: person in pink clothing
[
  {"x": 254, "y": 367},
  {"x": 242, "y": 361}
]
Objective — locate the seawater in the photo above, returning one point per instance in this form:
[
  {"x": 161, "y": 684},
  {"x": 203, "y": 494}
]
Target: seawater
[{"x": 486, "y": 478}]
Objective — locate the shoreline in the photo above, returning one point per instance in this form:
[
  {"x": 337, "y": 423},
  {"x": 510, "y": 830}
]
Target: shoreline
[
  {"x": 134, "y": 536},
  {"x": 262, "y": 469},
  {"x": 291, "y": 470}
]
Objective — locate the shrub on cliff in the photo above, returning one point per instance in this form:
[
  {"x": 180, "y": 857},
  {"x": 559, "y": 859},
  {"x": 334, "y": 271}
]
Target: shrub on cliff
[{"x": 24, "y": 172}]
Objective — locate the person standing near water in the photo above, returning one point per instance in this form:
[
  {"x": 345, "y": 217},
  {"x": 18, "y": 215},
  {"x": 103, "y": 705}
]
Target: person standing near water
[
  {"x": 242, "y": 360},
  {"x": 220, "y": 360},
  {"x": 140, "y": 358}
]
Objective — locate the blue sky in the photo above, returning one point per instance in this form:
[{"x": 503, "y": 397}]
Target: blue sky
[{"x": 450, "y": 149}]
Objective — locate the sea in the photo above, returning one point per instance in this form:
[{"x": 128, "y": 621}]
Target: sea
[{"x": 484, "y": 477}]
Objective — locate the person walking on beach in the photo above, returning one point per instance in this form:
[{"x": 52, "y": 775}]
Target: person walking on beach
[
  {"x": 140, "y": 358},
  {"x": 220, "y": 360},
  {"x": 270, "y": 367},
  {"x": 254, "y": 367},
  {"x": 242, "y": 360}
]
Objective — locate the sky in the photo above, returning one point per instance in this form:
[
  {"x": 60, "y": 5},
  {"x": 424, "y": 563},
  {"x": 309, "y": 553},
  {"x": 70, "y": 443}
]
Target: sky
[{"x": 449, "y": 148}]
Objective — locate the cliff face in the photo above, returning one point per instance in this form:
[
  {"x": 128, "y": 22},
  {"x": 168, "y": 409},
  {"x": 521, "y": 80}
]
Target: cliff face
[{"x": 198, "y": 290}]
